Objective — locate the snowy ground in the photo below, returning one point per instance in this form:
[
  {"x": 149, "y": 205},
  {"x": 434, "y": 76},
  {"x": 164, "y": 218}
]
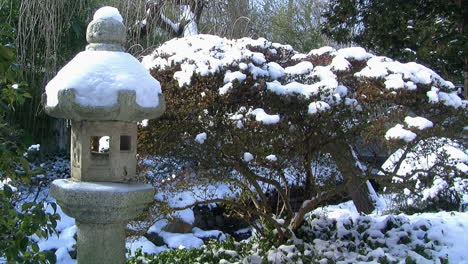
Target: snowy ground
[
  {"x": 445, "y": 234},
  {"x": 440, "y": 235}
]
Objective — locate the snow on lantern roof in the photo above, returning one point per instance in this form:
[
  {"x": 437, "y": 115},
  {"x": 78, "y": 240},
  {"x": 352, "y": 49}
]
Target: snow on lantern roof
[
  {"x": 104, "y": 82},
  {"x": 108, "y": 12}
]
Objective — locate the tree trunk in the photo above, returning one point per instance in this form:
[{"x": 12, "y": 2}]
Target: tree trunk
[
  {"x": 352, "y": 172},
  {"x": 360, "y": 194}
]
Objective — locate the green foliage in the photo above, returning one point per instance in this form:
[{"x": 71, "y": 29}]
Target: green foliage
[
  {"x": 20, "y": 221},
  {"x": 9, "y": 10},
  {"x": 294, "y": 22},
  {"x": 429, "y": 32}
]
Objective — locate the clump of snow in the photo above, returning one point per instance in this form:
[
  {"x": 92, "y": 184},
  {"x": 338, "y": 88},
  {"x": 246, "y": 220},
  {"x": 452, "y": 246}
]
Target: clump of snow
[
  {"x": 300, "y": 68},
  {"x": 291, "y": 88},
  {"x": 184, "y": 76},
  {"x": 185, "y": 215},
  {"x": 225, "y": 88},
  {"x": 145, "y": 245},
  {"x": 321, "y": 51},
  {"x": 394, "y": 81},
  {"x": 299, "y": 56},
  {"x": 356, "y": 53},
  {"x": 449, "y": 99},
  {"x": 271, "y": 157},
  {"x": 275, "y": 70},
  {"x": 35, "y": 147},
  {"x": 108, "y": 12},
  {"x": 231, "y": 76},
  {"x": 176, "y": 240},
  {"x": 418, "y": 122},
  {"x": 62, "y": 256},
  {"x": 319, "y": 106},
  {"x": 398, "y": 132},
  {"x": 208, "y": 234},
  {"x": 98, "y": 76},
  {"x": 143, "y": 123},
  {"x": 200, "y": 138},
  {"x": 248, "y": 157},
  {"x": 407, "y": 75},
  {"x": 7, "y": 182},
  {"x": 340, "y": 64},
  {"x": 265, "y": 118}
]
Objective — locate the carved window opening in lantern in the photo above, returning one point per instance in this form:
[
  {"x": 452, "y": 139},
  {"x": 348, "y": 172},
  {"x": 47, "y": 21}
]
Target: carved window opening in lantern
[
  {"x": 100, "y": 145},
  {"x": 125, "y": 143}
]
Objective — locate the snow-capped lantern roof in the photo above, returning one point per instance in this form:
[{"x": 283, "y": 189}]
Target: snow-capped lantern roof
[{"x": 104, "y": 82}]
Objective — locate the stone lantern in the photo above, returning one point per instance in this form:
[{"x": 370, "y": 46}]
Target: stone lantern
[{"x": 104, "y": 91}]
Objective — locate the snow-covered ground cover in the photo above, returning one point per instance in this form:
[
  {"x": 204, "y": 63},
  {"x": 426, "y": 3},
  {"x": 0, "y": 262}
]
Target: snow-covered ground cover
[{"x": 338, "y": 234}]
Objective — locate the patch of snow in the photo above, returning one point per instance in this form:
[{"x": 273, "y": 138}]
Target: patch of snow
[
  {"x": 271, "y": 157},
  {"x": 158, "y": 226},
  {"x": 231, "y": 76},
  {"x": 275, "y": 70},
  {"x": 63, "y": 256},
  {"x": 63, "y": 240},
  {"x": 451, "y": 99},
  {"x": 143, "y": 123},
  {"x": 265, "y": 118},
  {"x": 299, "y": 56},
  {"x": 98, "y": 76},
  {"x": 318, "y": 106},
  {"x": 185, "y": 215},
  {"x": 340, "y": 64},
  {"x": 200, "y": 138},
  {"x": 146, "y": 246},
  {"x": 177, "y": 240},
  {"x": 248, "y": 157},
  {"x": 356, "y": 53},
  {"x": 35, "y": 147},
  {"x": 208, "y": 234},
  {"x": 398, "y": 132},
  {"x": 394, "y": 81},
  {"x": 303, "y": 67},
  {"x": 108, "y": 12},
  {"x": 291, "y": 88},
  {"x": 418, "y": 122},
  {"x": 184, "y": 76},
  {"x": 321, "y": 51},
  {"x": 223, "y": 90}
]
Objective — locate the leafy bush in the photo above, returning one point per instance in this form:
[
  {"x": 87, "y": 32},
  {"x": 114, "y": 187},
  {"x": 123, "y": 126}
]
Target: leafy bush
[{"x": 21, "y": 221}]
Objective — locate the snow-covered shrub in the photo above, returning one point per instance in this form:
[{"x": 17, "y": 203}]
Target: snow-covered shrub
[{"x": 255, "y": 114}]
